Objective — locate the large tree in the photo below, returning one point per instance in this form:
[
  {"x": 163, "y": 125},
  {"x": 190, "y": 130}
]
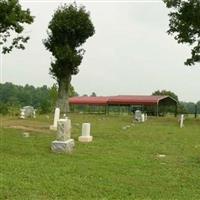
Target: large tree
[
  {"x": 67, "y": 31},
  {"x": 185, "y": 25},
  {"x": 12, "y": 19}
]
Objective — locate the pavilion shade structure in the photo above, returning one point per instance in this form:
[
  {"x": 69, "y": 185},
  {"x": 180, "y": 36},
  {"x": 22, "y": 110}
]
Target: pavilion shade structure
[
  {"x": 127, "y": 101},
  {"x": 85, "y": 100}
]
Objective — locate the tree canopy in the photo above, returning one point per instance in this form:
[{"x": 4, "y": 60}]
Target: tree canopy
[
  {"x": 165, "y": 93},
  {"x": 42, "y": 98},
  {"x": 12, "y": 19},
  {"x": 67, "y": 31},
  {"x": 184, "y": 23}
]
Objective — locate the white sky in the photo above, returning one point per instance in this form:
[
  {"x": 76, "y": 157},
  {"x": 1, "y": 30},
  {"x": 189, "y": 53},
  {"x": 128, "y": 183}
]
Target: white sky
[{"x": 130, "y": 52}]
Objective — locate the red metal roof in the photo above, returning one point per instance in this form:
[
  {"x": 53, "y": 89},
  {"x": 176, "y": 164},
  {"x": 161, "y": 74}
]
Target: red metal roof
[
  {"x": 89, "y": 100},
  {"x": 135, "y": 100},
  {"x": 116, "y": 100}
]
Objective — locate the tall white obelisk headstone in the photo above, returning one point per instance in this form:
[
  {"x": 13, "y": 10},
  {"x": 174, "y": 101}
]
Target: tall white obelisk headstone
[
  {"x": 85, "y": 135},
  {"x": 56, "y": 118},
  {"x": 181, "y": 121}
]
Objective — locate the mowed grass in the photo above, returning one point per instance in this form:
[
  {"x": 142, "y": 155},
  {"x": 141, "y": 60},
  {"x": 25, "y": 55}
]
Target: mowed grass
[{"x": 121, "y": 163}]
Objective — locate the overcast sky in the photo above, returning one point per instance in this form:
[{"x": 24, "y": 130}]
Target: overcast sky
[{"x": 130, "y": 52}]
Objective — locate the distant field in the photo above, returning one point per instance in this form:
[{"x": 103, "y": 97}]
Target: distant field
[{"x": 121, "y": 163}]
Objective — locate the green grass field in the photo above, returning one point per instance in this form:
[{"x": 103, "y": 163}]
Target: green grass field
[{"x": 119, "y": 164}]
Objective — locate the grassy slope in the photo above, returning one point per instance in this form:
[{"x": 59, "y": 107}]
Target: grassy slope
[{"x": 118, "y": 164}]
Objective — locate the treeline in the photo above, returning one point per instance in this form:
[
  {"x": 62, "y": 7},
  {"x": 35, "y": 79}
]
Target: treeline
[
  {"x": 190, "y": 107},
  {"x": 13, "y": 97}
]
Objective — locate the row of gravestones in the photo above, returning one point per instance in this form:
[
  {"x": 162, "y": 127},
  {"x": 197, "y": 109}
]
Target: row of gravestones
[
  {"x": 29, "y": 111},
  {"x": 140, "y": 117},
  {"x": 64, "y": 142}
]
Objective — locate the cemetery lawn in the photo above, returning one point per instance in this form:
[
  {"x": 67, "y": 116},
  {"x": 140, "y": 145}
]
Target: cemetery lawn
[{"x": 122, "y": 162}]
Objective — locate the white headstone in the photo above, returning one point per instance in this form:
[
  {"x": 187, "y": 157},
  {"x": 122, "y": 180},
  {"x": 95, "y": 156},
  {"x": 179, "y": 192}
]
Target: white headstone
[
  {"x": 85, "y": 135},
  {"x": 22, "y": 114},
  {"x": 63, "y": 142},
  {"x": 27, "y": 111},
  {"x": 145, "y": 116},
  {"x": 34, "y": 116},
  {"x": 142, "y": 117},
  {"x": 138, "y": 114},
  {"x": 85, "y": 129},
  {"x": 56, "y": 118},
  {"x": 181, "y": 121}
]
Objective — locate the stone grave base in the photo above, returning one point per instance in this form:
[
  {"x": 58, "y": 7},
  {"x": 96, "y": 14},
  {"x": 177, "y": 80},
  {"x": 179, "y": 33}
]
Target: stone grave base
[
  {"x": 62, "y": 146},
  {"x": 53, "y": 128},
  {"x": 85, "y": 138}
]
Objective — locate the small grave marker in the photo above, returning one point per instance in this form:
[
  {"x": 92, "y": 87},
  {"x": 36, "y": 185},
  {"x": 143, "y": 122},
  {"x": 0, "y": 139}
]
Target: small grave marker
[
  {"x": 142, "y": 117},
  {"x": 85, "y": 135}
]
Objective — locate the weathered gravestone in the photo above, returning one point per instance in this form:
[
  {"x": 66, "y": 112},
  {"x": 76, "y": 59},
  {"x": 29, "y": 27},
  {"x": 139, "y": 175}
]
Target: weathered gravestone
[
  {"x": 138, "y": 115},
  {"x": 63, "y": 142},
  {"x": 85, "y": 135},
  {"x": 27, "y": 111},
  {"x": 56, "y": 118}
]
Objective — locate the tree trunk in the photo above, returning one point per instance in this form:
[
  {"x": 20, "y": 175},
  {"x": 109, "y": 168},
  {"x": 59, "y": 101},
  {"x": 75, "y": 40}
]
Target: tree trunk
[{"x": 63, "y": 98}]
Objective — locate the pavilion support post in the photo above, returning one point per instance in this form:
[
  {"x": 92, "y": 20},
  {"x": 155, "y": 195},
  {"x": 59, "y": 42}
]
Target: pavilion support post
[
  {"x": 195, "y": 113},
  {"x": 107, "y": 109},
  {"x": 176, "y": 110},
  {"x": 157, "y": 109}
]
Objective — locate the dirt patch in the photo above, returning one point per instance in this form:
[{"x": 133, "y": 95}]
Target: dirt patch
[{"x": 24, "y": 128}]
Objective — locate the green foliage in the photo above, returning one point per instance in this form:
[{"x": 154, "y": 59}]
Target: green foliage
[
  {"x": 166, "y": 108},
  {"x": 93, "y": 94},
  {"x": 182, "y": 108},
  {"x": 189, "y": 107},
  {"x": 185, "y": 24},
  {"x": 165, "y": 93},
  {"x": 3, "y": 108},
  {"x": 67, "y": 31},
  {"x": 12, "y": 19},
  {"x": 12, "y": 97},
  {"x": 72, "y": 92},
  {"x": 53, "y": 92},
  {"x": 198, "y": 107}
]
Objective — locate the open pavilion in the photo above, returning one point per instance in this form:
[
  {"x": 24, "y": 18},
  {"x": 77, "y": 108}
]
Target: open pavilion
[{"x": 128, "y": 101}]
